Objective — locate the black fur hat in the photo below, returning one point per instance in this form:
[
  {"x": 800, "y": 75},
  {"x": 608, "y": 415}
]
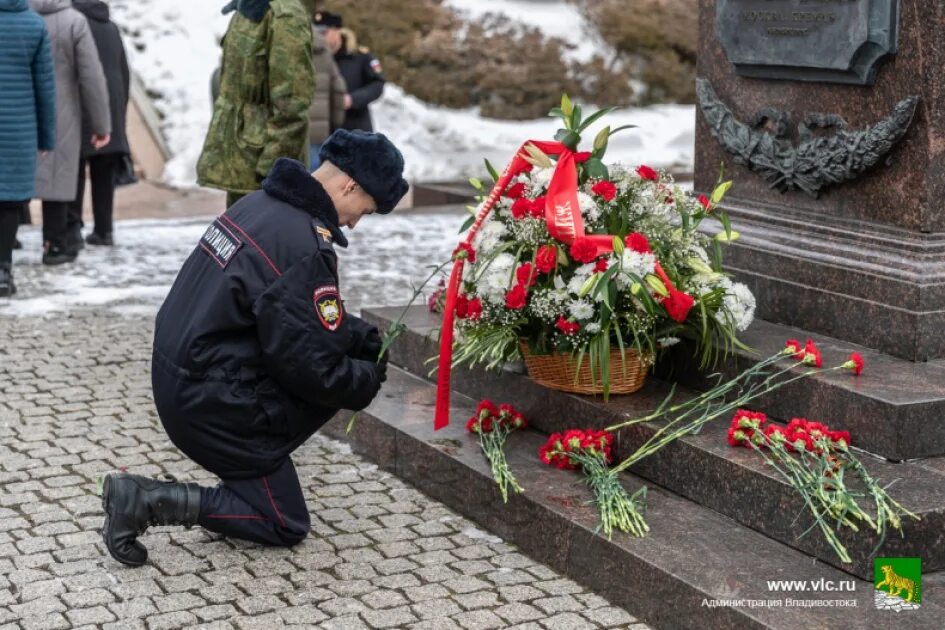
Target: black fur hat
[{"x": 371, "y": 160}]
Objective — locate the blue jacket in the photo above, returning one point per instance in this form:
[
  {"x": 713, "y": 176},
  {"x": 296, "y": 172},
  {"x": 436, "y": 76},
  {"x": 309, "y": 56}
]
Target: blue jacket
[
  {"x": 27, "y": 98},
  {"x": 253, "y": 349}
]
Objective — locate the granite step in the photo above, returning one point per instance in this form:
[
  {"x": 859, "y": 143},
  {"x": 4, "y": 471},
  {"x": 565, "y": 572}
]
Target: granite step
[
  {"x": 894, "y": 409},
  {"x": 703, "y": 468},
  {"x": 672, "y": 578}
]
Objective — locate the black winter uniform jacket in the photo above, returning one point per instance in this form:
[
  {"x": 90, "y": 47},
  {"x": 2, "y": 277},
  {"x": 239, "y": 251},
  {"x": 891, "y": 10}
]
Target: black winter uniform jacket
[
  {"x": 253, "y": 351},
  {"x": 362, "y": 74}
]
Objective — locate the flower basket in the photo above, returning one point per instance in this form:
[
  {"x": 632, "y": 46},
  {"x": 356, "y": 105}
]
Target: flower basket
[{"x": 560, "y": 372}]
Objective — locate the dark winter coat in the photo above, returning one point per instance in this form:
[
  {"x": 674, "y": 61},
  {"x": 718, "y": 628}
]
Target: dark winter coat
[
  {"x": 266, "y": 87},
  {"x": 81, "y": 92},
  {"x": 253, "y": 350},
  {"x": 27, "y": 98},
  {"x": 362, "y": 74},
  {"x": 111, "y": 53}
]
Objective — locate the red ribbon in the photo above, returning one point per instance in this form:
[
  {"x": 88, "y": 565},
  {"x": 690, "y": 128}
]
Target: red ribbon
[{"x": 565, "y": 224}]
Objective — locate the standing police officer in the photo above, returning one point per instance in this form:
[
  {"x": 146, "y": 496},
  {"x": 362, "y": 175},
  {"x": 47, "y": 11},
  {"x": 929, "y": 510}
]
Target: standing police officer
[
  {"x": 360, "y": 69},
  {"x": 254, "y": 351}
]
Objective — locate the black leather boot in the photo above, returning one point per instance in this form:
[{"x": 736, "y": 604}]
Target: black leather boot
[
  {"x": 7, "y": 288},
  {"x": 133, "y": 503}
]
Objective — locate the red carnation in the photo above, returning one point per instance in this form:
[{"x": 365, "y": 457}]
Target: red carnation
[
  {"x": 840, "y": 436},
  {"x": 582, "y": 156},
  {"x": 516, "y": 296},
  {"x": 464, "y": 251},
  {"x": 515, "y": 191},
  {"x": 855, "y": 363},
  {"x": 738, "y": 437},
  {"x": 486, "y": 408},
  {"x": 474, "y": 309},
  {"x": 583, "y": 250},
  {"x": 793, "y": 347},
  {"x": 678, "y": 305},
  {"x": 537, "y": 208},
  {"x": 706, "y": 203},
  {"x": 472, "y": 424},
  {"x": 638, "y": 243},
  {"x": 645, "y": 172},
  {"x": 521, "y": 207},
  {"x": 605, "y": 189},
  {"x": 812, "y": 354},
  {"x": 525, "y": 275},
  {"x": 568, "y": 328},
  {"x": 546, "y": 258},
  {"x": 601, "y": 266}
]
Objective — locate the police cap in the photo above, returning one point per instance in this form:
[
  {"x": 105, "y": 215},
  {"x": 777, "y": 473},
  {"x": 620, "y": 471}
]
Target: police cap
[
  {"x": 372, "y": 161},
  {"x": 326, "y": 19}
]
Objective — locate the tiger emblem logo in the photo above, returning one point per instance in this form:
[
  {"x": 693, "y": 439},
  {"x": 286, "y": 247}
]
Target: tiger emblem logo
[{"x": 896, "y": 584}]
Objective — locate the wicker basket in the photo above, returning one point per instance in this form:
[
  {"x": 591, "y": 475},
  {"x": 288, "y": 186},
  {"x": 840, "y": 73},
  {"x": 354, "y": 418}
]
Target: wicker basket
[{"x": 557, "y": 371}]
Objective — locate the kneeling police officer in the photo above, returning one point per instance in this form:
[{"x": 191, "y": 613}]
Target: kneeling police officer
[{"x": 254, "y": 351}]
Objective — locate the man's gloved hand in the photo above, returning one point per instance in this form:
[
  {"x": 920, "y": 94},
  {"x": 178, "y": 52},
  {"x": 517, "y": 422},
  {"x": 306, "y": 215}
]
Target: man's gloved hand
[
  {"x": 380, "y": 369},
  {"x": 372, "y": 346}
]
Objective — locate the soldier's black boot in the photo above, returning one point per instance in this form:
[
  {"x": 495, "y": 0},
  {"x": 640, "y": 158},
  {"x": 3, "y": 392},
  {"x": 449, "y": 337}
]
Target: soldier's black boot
[{"x": 133, "y": 503}]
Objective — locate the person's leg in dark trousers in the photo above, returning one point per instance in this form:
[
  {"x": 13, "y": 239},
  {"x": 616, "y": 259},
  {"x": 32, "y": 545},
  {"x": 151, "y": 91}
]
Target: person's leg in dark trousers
[
  {"x": 102, "y": 170},
  {"x": 74, "y": 223},
  {"x": 54, "y": 233},
  {"x": 9, "y": 223},
  {"x": 270, "y": 510}
]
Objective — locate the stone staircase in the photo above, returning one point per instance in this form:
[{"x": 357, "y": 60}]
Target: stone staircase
[{"x": 722, "y": 524}]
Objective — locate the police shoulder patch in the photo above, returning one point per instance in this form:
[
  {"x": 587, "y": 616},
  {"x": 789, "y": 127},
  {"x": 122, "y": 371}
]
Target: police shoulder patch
[
  {"x": 220, "y": 243},
  {"x": 328, "y": 306}
]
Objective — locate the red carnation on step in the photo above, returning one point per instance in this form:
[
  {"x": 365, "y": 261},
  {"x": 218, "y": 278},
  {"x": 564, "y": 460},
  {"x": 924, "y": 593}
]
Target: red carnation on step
[
  {"x": 647, "y": 173},
  {"x": 583, "y": 250},
  {"x": 812, "y": 354},
  {"x": 855, "y": 363},
  {"x": 605, "y": 189},
  {"x": 793, "y": 347},
  {"x": 546, "y": 258}
]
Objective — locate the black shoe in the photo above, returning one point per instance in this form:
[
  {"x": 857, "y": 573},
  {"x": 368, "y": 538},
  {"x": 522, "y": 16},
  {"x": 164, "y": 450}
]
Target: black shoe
[
  {"x": 74, "y": 238},
  {"x": 7, "y": 288},
  {"x": 17, "y": 244},
  {"x": 133, "y": 503},
  {"x": 58, "y": 254},
  {"x": 97, "y": 239}
]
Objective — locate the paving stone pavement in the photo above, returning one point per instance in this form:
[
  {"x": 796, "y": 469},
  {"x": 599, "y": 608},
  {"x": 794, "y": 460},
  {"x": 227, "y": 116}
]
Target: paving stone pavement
[{"x": 75, "y": 402}]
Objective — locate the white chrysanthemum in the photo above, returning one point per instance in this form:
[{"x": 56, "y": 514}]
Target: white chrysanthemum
[
  {"x": 589, "y": 209},
  {"x": 593, "y": 328},
  {"x": 666, "y": 342},
  {"x": 581, "y": 309},
  {"x": 581, "y": 274},
  {"x": 489, "y": 238},
  {"x": 740, "y": 304},
  {"x": 497, "y": 278},
  {"x": 541, "y": 177},
  {"x": 634, "y": 264}
]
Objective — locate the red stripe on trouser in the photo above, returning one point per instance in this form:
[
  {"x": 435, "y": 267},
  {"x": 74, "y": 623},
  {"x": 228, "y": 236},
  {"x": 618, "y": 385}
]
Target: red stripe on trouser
[{"x": 273, "y": 502}]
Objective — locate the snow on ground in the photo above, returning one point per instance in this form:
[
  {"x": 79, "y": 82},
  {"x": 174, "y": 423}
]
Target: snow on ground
[
  {"x": 554, "y": 18},
  {"x": 386, "y": 257},
  {"x": 173, "y": 47}
]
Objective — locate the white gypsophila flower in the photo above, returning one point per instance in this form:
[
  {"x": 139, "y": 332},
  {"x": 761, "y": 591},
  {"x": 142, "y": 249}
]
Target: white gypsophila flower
[
  {"x": 581, "y": 309},
  {"x": 530, "y": 231},
  {"x": 666, "y": 342},
  {"x": 592, "y": 329},
  {"x": 546, "y": 304},
  {"x": 740, "y": 304}
]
